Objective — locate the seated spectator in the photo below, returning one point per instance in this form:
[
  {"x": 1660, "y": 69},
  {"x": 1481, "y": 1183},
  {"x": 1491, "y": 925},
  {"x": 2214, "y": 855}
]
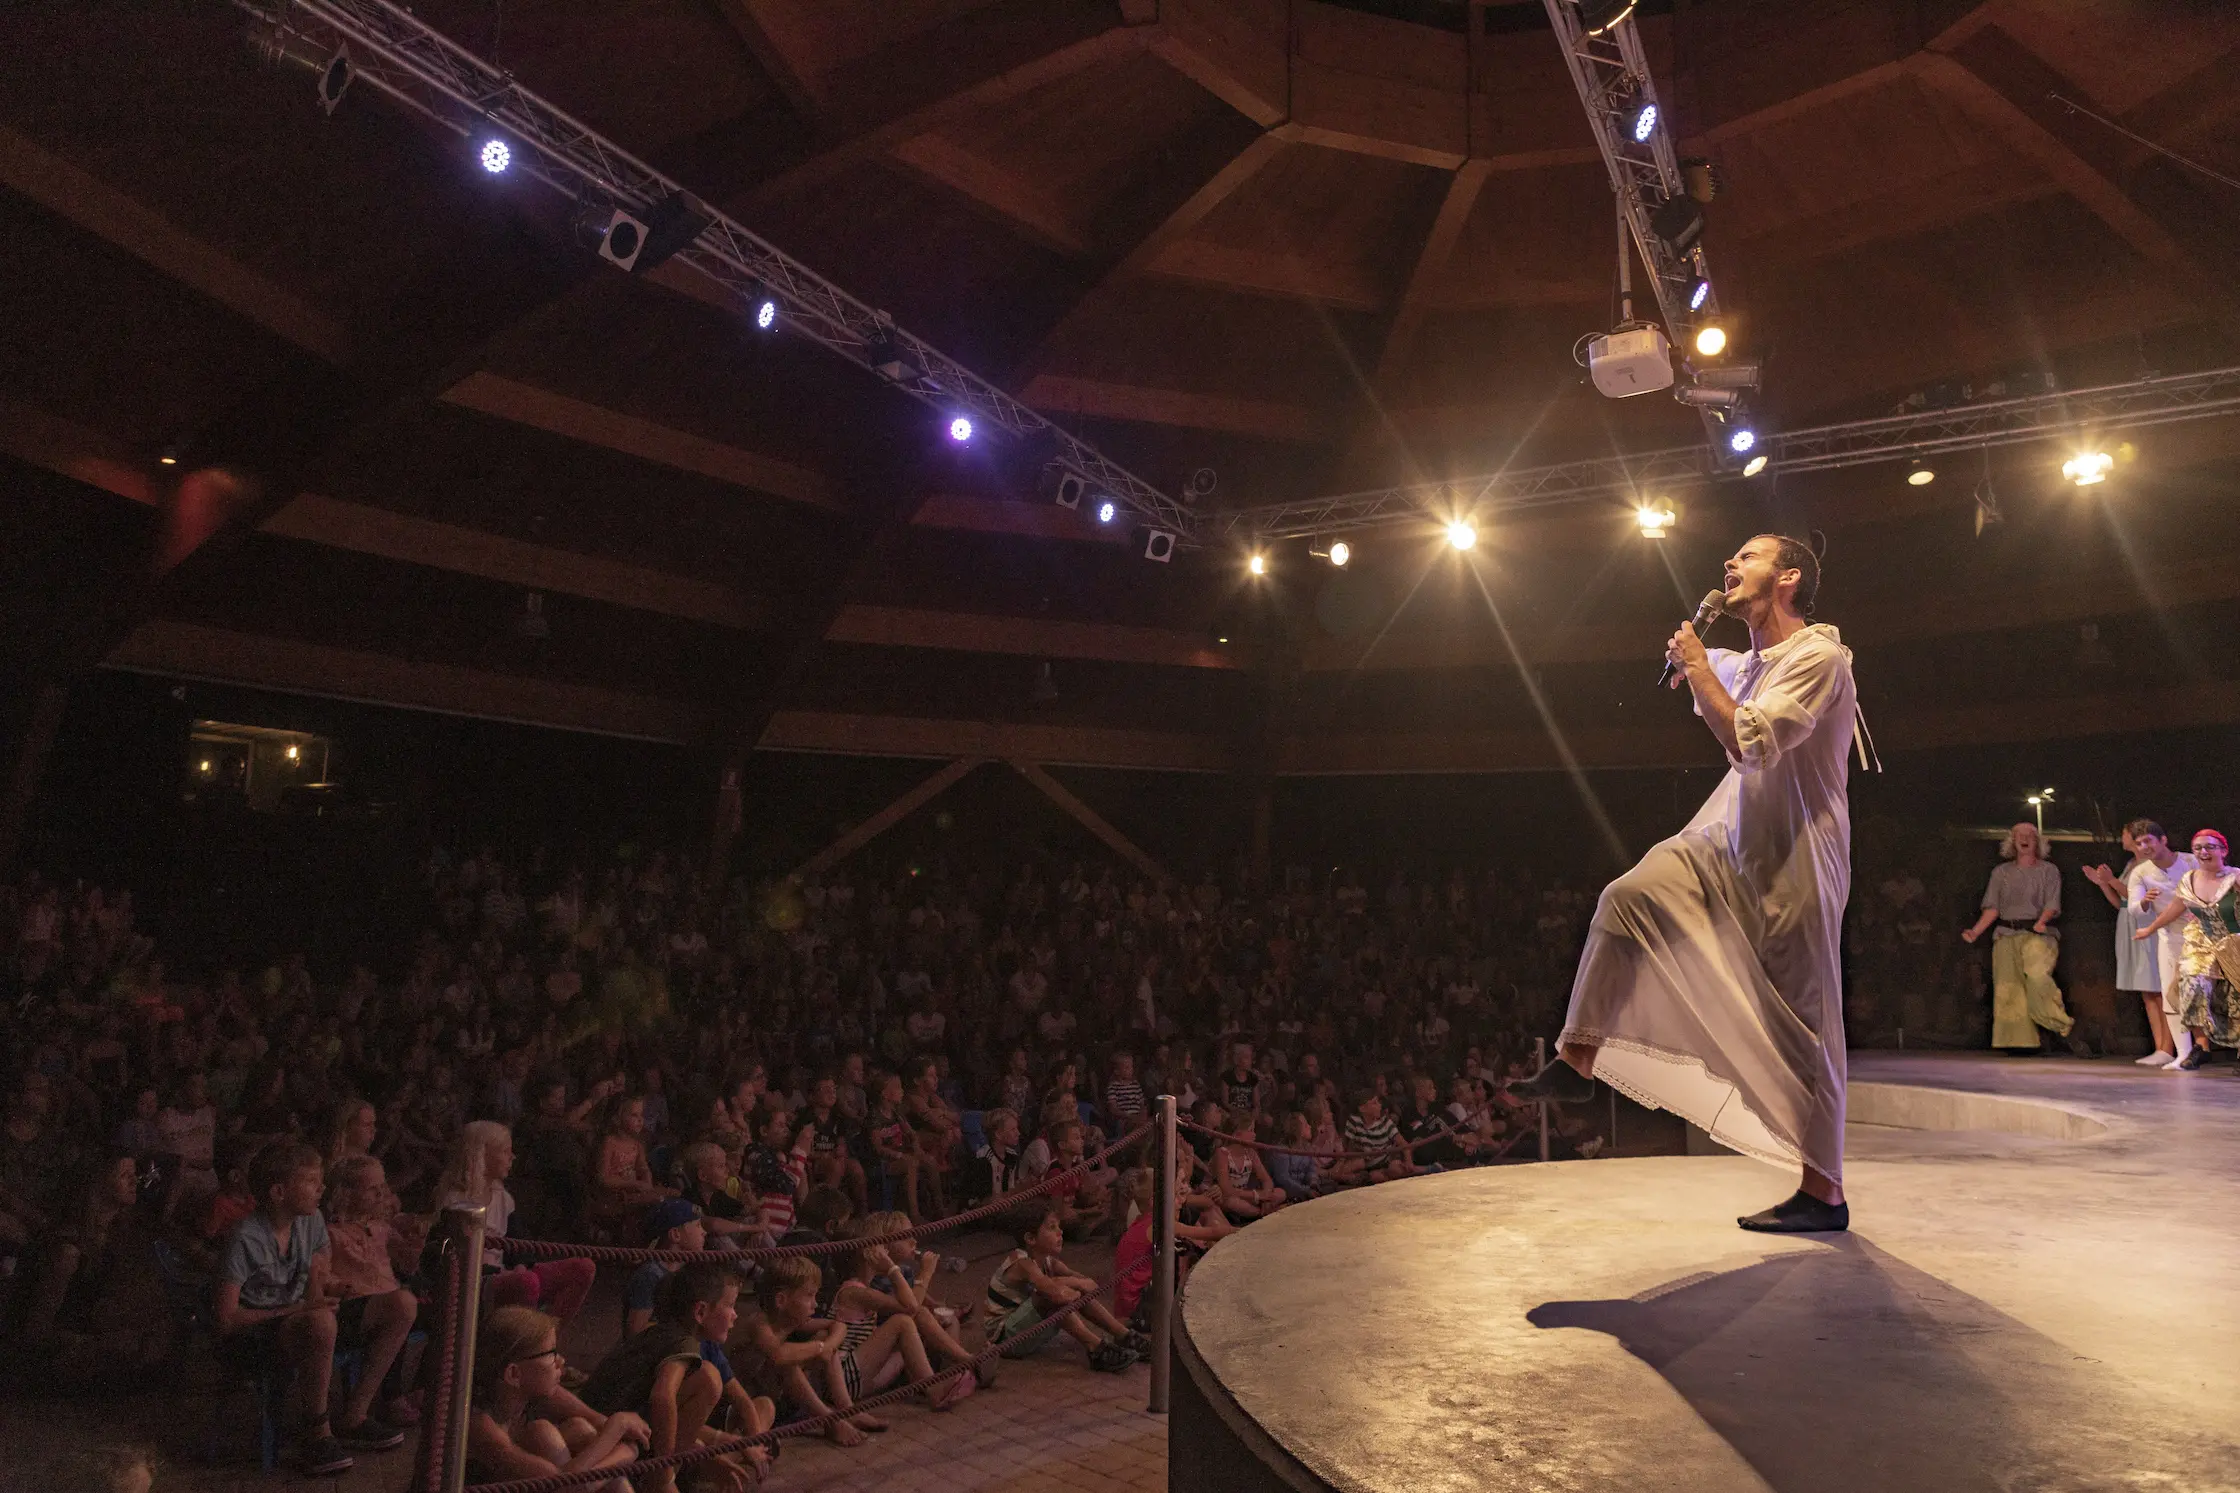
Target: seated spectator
[
  {"x": 877, "y": 1349},
  {"x": 555, "y": 1157},
  {"x": 995, "y": 1164},
  {"x": 276, "y": 1304},
  {"x": 940, "y": 1131},
  {"x": 525, "y": 1423},
  {"x": 137, "y": 1134},
  {"x": 475, "y": 1177},
  {"x": 622, "y": 1185},
  {"x": 356, "y": 1125},
  {"x": 797, "y": 1361},
  {"x": 1124, "y": 1102},
  {"x": 671, "y": 1224},
  {"x": 893, "y": 1144},
  {"x": 37, "y": 1160},
  {"x": 97, "y": 1305},
  {"x": 1428, "y": 1129},
  {"x": 1083, "y": 1197},
  {"x": 1376, "y": 1139},
  {"x": 662, "y": 1375},
  {"x": 1294, "y": 1169},
  {"x": 1033, "y": 1282},
  {"x": 707, "y": 1180},
  {"x": 875, "y": 1291},
  {"x": 777, "y": 1169},
  {"x": 832, "y": 1162},
  {"x": 1017, "y": 1090},
  {"x": 368, "y": 1248},
  {"x": 1240, "y": 1178}
]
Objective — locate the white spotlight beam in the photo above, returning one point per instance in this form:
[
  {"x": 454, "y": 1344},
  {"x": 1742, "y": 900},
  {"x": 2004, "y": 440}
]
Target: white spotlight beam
[
  {"x": 401, "y": 56},
  {"x": 1611, "y": 74},
  {"x": 2097, "y": 413}
]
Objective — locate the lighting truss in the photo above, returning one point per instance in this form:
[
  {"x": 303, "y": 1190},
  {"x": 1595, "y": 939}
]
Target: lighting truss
[
  {"x": 401, "y": 56},
  {"x": 1611, "y": 74},
  {"x": 2066, "y": 415}
]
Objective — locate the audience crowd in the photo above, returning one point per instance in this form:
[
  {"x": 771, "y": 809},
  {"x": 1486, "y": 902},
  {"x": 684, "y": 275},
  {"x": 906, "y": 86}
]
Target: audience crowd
[{"x": 623, "y": 1055}]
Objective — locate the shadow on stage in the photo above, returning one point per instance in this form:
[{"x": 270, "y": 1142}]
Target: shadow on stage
[{"x": 1840, "y": 1369}]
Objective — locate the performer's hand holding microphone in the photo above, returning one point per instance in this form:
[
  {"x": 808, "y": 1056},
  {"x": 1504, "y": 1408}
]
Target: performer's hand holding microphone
[{"x": 1712, "y": 607}]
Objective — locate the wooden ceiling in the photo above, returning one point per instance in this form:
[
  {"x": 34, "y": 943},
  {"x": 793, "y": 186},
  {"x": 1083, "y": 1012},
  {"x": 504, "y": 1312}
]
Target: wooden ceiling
[{"x": 1311, "y": 246}]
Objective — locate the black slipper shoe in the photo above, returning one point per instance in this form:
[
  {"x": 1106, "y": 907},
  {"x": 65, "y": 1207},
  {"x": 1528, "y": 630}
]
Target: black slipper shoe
[
  {"x": 1801, "y": 1214},
  {"x": 1559, "y": 1083}
]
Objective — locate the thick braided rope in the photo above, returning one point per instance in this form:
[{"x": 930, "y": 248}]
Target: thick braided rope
[
  {"x": 815, "y": 1423},
  {"x": 615, "y": 1254},
  {"x": 1446, "y": 1132}
]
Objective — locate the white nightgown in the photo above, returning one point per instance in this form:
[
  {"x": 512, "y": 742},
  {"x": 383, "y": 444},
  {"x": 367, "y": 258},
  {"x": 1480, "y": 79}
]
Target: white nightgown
[{"x": 1711, "y": 980}]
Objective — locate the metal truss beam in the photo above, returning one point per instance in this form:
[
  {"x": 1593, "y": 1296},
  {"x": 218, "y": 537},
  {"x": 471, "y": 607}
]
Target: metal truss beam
[
  {"x": 2093, "y": 414},
  {"x": 401, "y": 56},
  {"x": 1611, "y": 74}
]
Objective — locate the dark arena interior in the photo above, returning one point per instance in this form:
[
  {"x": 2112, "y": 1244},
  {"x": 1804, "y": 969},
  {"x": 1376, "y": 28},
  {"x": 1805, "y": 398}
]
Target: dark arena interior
[{"x": 655, "y": 655}]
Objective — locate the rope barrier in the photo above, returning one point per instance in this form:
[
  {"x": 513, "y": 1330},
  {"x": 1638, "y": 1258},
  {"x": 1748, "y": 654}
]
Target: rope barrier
[
  {"x": 1446, "y": 1132},
  {"x": 615, "y": 1254},
  {"x": 452, "y": 1295},
  {"x": 553, "y": 1482}
]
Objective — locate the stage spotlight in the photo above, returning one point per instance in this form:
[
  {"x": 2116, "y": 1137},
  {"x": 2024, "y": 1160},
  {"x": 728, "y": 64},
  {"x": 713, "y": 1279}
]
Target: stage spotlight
[
  {"x": 765, "y": 313},
  {"x": 1643, "y": 124},
  {"x": 1708, "y": 397},
  {"x": 1461, "y": 534},
  {"x": 1742, "y": 440},
  {"x": 1340, "y": 553},
  {"x": 1062, "y": 485},
  {"x": 1701, "y": 179},
  {"x": 1711, "y": 340},
  {"x": 960, "y": 429},
  {"x": 890, "y": 361},
  {"x": 1678, "y": 223},
  {"x": 1258, "y": 564},
  {"x": 2088, "y": 468},
  {"x": 1754, "y": 465},
  {"x": 1598, "y": 16},
  {"x": 495, "y": 156},
  {"x": 169, "y": 456},
  {"x": 1699, "y": 291},
  {"x": 640, "y": 241},
  {"x": 1738, "y": 375},
  {"x": 1656, "y": 519},
  {"x": 1921, "y": 475},
  {"x": 1158, "y": 546},
  {"x": 1107, "y": 511}
]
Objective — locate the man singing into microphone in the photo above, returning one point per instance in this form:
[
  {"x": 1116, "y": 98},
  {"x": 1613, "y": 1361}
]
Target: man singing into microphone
[{"x": 1710, "y": 985}]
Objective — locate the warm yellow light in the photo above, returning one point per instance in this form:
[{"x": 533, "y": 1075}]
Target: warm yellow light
[
  {"x": 206, "y": 764},
  {"x": 168, "y": 459},
  {"x": 1461, "y": 535},
  {"x": 1656, "y": 520},
  {"x": 1712, "y": 340},
  {"x": 294, "y": 752},
  {"x": 1754, "y": 465},
  {"x": 2033, "y": 800},
  {"x": 1340, "y": 553},
  {"x": 1258, "y": 564},
  {"x": 2088, "y": 467},
  {"x": 1920, "y": 477}
]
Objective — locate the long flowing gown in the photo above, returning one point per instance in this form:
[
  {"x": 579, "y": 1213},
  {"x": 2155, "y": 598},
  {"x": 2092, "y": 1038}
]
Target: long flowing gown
[{"x": 1711, "y": 980}]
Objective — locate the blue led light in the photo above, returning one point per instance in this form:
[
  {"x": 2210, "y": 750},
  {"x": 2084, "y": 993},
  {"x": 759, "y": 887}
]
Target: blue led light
[{"x": 960, "y": 429}]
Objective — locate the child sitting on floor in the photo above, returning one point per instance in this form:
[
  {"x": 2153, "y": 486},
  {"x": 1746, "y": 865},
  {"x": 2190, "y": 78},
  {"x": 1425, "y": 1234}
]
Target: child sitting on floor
[
  {"x": 874, "y": 1290},
  {"x": 792, "y": 1371},
  {"x": 1294, "y": 1169},
  {"x": 524, "y": 1422},
  {"x": 1033, "y": 1282},
  {"x": 664, "y": 1374}
]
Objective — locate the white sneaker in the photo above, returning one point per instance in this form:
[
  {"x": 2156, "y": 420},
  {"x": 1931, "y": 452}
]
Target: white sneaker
[{"x": 2157, "y": 1060}]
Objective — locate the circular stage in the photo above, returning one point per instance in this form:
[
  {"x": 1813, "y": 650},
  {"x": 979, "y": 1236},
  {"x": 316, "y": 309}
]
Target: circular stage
[{"x": 2039, "y": 1293}]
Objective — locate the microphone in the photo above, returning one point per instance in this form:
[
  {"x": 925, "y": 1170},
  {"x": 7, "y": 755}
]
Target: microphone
[{"x": 1713, "y": 605}]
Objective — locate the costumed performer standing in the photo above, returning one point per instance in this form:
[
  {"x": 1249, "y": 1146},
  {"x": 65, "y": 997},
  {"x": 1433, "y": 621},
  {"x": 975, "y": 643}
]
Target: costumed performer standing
[{"x": 1710, "y": 983}]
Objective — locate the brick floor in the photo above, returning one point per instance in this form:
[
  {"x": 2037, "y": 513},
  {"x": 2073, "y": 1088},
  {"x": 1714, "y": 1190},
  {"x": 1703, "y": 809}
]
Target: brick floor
[{"x": 1049, "y": 1426}]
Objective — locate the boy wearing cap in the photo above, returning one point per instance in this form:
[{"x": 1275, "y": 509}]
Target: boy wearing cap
[{"x": 672, "y": 1223}]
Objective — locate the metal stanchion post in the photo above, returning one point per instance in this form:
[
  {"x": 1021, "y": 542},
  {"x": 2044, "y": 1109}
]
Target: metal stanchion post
[
  {"x": 1540, "y": 1060},
  {"x": 1165, "y": 1206},
  {"x": 463, "y": 1232}
]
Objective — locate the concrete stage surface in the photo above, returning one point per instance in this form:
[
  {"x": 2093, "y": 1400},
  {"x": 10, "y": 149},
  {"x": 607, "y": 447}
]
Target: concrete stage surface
[{"x": 2041, "y": 1291}]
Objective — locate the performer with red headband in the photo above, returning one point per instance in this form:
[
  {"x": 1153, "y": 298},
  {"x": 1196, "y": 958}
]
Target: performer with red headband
[{"x": 2207, "y": 987}]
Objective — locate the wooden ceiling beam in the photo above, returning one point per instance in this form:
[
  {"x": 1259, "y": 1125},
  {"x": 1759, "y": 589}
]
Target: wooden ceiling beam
[
  {"x": 912, "y": 86},
  {"x": 191, "y": 651},
  {"x": 1351, "y": 287},
  {"x": 2007, "y": 88},
  {"x": 1015, "y": 202},
  {"x": 773, "y": 32},
  {"x": 1263, "y": 418},
  {"x": 108, "y": 214},
  {"x": 845, "y": 734},
  {"x": 1921, "y": 206},
  {"x": 524, "y": 404}
]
